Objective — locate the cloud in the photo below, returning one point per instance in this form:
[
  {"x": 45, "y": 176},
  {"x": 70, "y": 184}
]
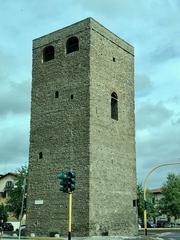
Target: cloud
[
  {"x": 151, "y": 26},
  {"x": 165, "y": 52},
  {"x": 15, "y": 98},
  {"x": 114, "y": 8},
  {"x": 33, "y": 18},
  {"x": 158, "y": 147},
  {"x": 15, "y": 135},
  {"x": 157, "y": 139},
  {"x": 149, "y": 115},
  {"x": 143, "y": 85},
  {"x": 177, "y": 122},
  {"x": 7, "y": 61}
]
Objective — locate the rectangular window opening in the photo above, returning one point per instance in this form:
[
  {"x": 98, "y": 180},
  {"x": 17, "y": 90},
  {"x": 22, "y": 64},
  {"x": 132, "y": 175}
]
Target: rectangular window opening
[
  {"x": 40, "y": 155},
  {"x": 56, "y": 94},
  {"x": 134, "y": 203}
]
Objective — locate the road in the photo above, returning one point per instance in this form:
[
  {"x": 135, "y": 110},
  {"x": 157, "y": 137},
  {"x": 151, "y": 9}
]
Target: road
[
  {"x": 171, "y": 236},
  {"x": 162, "y": 234},
  {"x": 168, "y": 234}
]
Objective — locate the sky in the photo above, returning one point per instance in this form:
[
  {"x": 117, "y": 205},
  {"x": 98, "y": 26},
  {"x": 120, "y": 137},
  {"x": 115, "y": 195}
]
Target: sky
[{"x": 151, "y": 26}]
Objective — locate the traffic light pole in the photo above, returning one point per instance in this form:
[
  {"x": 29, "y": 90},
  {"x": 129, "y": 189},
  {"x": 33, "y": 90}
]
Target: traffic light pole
[
  {"x": 145, "y": 222},
  {"x": 67, "y": 183},
  {"x": 70, "y": 216}
]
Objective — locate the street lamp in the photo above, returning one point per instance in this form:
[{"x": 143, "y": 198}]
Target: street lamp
[
  {"x": 22, "y": 206},
  {"x": 145, "y": 190}
]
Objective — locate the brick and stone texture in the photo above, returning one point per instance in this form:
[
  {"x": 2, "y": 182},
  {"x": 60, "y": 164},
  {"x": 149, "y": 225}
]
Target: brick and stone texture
[{"x": 80, "y": 134}]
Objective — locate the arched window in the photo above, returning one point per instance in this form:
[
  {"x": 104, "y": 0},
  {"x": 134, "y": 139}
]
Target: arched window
[
  {"x": 9, "y": 185},
  {"x": 48, "y": 53},
  {"x": 72, "y": 45},
  {"x": 114, "y": 106}
]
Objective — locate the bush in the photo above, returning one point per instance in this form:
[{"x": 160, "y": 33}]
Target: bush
[{"x": 3, "y": 213}]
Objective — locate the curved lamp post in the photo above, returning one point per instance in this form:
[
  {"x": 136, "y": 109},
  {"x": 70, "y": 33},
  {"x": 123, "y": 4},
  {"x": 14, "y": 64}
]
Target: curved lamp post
[
  {"x": 145, "y": 191},
  {"x": 22, "y": 207}
]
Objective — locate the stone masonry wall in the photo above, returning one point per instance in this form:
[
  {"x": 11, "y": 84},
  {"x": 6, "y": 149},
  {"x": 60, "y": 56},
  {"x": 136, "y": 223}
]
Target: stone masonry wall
[
  {"x": 60, "y": 130},
  {"x": 112, "y": 143},
  {"x": 79, "y": 133}
]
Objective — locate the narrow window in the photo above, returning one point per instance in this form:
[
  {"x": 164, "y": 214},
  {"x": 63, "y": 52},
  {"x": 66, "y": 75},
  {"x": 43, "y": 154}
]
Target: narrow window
[
  {"x": 114, "y": 106},
  {"x": 48, "y": 53},
  {"x": 9, "y": 184},
  {"x": 40, "y": 155},
  {"x": 56, "y": 94},
  {"x": 72, "y": 45},
  {"x": 114, "y": 59},
  {"x": 72, "y": 96},
  {"x": 134, "y": 203}
]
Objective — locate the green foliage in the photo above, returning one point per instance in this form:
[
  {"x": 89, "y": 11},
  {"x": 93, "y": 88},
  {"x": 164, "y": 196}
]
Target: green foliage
[
  {"x": 16, "y": 193},
  {"x": 140, "y": 197},
  {"x": 170, "y": 203},
  {"x": 151, "y": 211},
  {"x": 3, "y": 212}
]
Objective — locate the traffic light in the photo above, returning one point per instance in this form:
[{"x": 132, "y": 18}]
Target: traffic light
[
  {"x": 68, "y": 182},
  {"x": 64, "y": 182},
  {"x": 71, "y": 181}
]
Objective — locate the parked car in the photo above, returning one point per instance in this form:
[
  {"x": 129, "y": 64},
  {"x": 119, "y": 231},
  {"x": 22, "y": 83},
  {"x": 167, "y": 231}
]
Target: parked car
[
  {"x": 7, "y": 227},
  {"x": 163, "y": 224},
  {"x": 22, "y": 229},
  {"x": 149, "y": 225}
]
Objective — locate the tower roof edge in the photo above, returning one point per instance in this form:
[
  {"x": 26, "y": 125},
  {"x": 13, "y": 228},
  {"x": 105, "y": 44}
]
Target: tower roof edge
[{"x": 75, "y": 28}]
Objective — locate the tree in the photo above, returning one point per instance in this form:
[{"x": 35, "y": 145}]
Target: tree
[
  {"x": 151, "y": 211},
  {"x": 16, "y": 193},
  {"x": 170, "y": 203},
  {"x": 140, "y": 197},
  {"x": 3, "y": 212}
]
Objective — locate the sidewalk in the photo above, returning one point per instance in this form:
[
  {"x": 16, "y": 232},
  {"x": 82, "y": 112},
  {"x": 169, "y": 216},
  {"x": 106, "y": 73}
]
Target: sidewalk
[{"x": 13, "y": 236}]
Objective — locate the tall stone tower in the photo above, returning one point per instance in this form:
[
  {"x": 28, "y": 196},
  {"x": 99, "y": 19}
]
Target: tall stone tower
[{"x": 82, "y": 118}]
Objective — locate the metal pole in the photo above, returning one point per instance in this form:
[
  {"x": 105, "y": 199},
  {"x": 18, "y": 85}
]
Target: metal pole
[
  {"x": 22, "y": 206},
  {"x": 145, "y": 190},
  {"x": 70, "y": 216},
  {"x": 145, "y": 222}
]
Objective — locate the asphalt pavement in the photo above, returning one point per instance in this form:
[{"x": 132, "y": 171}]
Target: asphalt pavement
[{"x": 153, "y": 234}]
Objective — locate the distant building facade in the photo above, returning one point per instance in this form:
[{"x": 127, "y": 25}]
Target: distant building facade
[
  {"x": 6, "y": 181},
  {"x": 82, "y": 118},
  {"x": 157, "y": 196},
  {"x": 162, "y": 220}
]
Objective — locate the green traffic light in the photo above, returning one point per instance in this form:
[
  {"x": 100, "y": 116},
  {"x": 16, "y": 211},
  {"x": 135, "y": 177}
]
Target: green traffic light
[
  {"x": 62, "y": 176},
  {"x": 64, "y": 189},
  {"x": 72, "y": 174},
  {"x": 71, "y": 180},
  {"x": 67, "y": 181},
  {"x": 64, "y": 182},
  {"x": 73, "y": 187}
]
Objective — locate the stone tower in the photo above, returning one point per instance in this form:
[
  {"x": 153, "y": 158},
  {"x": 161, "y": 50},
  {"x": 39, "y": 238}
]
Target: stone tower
[{"x": 82, "y": 118}]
